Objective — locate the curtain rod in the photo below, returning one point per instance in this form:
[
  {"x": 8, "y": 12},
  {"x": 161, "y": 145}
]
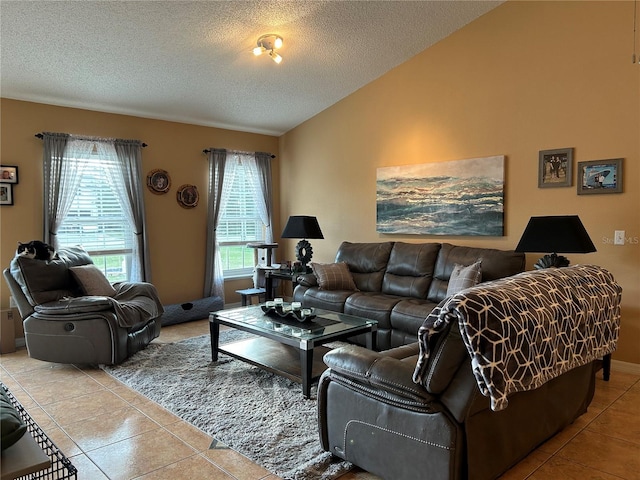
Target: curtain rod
[
  {"x": 207, "y": 150},
  {"x": 41, "y": 136}
]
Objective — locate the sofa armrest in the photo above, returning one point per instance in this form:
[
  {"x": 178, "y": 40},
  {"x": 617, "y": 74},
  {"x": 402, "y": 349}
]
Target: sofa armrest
[
  {"x": 376, "y": 374},
  {"x": 307, "y": 280}
]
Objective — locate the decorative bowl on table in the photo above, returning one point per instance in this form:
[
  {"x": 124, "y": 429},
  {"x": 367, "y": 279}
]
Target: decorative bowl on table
[{"x": 285, "y": 310}]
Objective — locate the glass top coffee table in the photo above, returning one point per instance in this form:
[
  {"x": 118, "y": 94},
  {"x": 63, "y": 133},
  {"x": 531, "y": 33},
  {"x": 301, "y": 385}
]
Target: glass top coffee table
[{"x": 286, "y": 346}]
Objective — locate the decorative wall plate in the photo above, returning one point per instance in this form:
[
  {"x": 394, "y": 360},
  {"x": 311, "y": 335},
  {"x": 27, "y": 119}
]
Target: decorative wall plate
[
  {"x": 158, "y": 181},
  {"x": 188, "y": 196}
]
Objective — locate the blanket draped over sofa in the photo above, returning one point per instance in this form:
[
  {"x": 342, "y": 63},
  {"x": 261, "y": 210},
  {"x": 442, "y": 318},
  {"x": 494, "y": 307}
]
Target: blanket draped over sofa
[
  {"x": 135, "y": 303},
  {"x": 563, "y": 318}
]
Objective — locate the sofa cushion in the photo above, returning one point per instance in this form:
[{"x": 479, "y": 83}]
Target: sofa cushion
[
  {"x": 375, "y": 306},
  {"x": 367, "y": 263},
  {"x": 42, "y": 281},
  {"x": 326, "y": 299},
  {"x": 410, "y": 269},
  {"x": 407, "y": 316},
  {"x": 463, "y": 277},
  {"x": 92, "y": 281},
  {"x": 333, "y": 276},
  {"x": 71, "y": 305}
]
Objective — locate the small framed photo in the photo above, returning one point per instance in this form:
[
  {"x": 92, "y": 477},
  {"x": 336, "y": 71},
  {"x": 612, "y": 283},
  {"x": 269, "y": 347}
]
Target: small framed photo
[
  {"x": 188, "y": 196},
  {"x": 8, "y": 174},
  {"x": 555, "y": 168},
  {"x": 158, "y": 181},
  {"x": 6, "y": 194},
  {"x": 600, "y": 176}
]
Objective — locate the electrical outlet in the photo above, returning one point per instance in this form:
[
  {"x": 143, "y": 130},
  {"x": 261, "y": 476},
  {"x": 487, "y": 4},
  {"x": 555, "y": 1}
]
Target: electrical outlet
[
  {"x": 618, "y": 237},
  {"x": 12, "y": 302}
]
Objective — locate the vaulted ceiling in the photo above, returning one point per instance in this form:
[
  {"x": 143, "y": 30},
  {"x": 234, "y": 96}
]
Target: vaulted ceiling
[{"x": 192, "y": 61}]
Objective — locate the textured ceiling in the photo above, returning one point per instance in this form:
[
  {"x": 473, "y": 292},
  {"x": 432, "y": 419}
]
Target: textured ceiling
[{"x": 191, "y": 61}]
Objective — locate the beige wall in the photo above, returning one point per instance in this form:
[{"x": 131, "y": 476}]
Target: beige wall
[
  {"x": 177, "y": 235},
  {"x": 526, "y": 77}
]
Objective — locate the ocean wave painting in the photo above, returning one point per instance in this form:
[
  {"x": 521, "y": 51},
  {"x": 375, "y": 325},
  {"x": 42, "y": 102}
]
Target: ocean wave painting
[{"x": 462, "y": 197}]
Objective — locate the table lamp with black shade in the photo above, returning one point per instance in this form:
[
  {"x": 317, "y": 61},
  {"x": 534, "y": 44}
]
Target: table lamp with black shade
[
  {"x": 556, "y": 234},
  {"x": 302, "y": 226}
]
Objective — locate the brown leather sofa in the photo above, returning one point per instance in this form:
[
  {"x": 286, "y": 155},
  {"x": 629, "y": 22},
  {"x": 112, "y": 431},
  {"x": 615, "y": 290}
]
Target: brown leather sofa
[
  {"x": 400, "y": 283},
  {"x": 63, "y": 324}
]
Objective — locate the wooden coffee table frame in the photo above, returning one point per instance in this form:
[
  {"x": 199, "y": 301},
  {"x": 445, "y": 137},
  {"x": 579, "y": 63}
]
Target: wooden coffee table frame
[{"x": 296, "y": 358}]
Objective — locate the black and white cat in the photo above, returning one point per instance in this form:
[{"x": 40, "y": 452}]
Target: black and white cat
[{"x": 36, "y": 249}]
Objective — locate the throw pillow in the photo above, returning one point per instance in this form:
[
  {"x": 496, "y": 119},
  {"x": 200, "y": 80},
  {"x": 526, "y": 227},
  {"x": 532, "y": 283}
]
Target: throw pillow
[
  {"x": 333, "y": 276},
  {"x": 464, "y": 277},
  {"x": 92, "y": 281}
]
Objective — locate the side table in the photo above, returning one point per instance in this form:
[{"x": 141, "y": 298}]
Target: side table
[{"x": 280, "y": 275}]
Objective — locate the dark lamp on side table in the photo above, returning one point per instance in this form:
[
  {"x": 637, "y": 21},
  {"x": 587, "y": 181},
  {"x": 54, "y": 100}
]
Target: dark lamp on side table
[
  {"x": 301, "y": 226},
  {"x": 556, "y": 234}
]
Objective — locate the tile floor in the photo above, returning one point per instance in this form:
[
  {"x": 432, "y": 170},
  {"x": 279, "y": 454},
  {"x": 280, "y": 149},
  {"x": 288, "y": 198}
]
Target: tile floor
[{"x": 111, "y": 432}]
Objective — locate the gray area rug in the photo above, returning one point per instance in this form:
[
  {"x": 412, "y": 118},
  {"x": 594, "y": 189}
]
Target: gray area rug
[{"x": 261, "y": 415}]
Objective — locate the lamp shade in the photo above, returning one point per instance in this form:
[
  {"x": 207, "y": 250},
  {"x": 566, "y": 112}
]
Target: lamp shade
[
  {"x": 301, "y": 226},
  {"x": 557, "y": 234}
]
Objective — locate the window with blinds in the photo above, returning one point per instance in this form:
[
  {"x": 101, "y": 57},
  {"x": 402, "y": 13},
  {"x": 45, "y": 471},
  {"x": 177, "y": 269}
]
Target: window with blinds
[
  {"x": 97, "y": 222},
  {"x": 239, "y": 224}
]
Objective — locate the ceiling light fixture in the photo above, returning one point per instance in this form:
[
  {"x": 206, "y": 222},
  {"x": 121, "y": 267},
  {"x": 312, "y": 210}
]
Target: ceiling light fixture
[{"x": 269, "y": 43}]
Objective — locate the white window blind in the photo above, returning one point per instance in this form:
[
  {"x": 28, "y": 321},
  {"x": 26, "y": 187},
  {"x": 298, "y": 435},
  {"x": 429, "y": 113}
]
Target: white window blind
[
  {"x": 97, "y": 222},
  {"x": 239, "y": 224}
]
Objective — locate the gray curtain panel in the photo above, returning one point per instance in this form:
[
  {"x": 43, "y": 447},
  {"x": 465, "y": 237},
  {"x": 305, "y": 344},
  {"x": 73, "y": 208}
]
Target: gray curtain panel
[
  {"x": 129, "y": 156},
  {"x": 214, "y": 279}
]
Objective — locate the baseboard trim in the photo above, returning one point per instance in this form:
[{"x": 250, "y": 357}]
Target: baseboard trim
[{"x": 625, "y": 367}]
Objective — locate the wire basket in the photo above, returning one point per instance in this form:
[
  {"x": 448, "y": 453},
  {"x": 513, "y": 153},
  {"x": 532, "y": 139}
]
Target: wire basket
[{"x": 61, "y": 468}]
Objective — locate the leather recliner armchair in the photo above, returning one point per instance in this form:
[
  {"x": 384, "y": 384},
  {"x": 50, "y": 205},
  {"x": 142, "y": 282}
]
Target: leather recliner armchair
[
  {"x": 499, "y": 368},
  {"x": 372, "y": 414},
  {"x": 62, "y": 324}
]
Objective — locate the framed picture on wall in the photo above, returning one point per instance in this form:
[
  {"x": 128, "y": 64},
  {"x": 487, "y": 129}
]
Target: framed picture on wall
[
  {"x": 8, "y": 174},
  {"x": 555, "y": 168},
  {"x": 424, "y": 199},
  {"x": 6, "y": 194},
  {"x": 600, "y": 176}
]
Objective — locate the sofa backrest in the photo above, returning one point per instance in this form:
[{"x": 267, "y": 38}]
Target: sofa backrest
[
  {"x": 367, "y": 263},
  {"x": 421, "y": 270},
  {"x": 495, "y": 264},
  {"x": 520, "y": 331},
  {"x": 43, "y": 281},
  {"x": 410, "y": 269}
]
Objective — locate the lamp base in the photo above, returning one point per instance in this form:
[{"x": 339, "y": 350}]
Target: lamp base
[
  {"x": 552, "y": 260},
  {"x": 304, "y": 252}
]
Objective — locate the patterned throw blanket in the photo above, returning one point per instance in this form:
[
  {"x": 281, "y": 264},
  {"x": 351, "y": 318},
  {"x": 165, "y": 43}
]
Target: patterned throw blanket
[{"x": 524, "y": 330}]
